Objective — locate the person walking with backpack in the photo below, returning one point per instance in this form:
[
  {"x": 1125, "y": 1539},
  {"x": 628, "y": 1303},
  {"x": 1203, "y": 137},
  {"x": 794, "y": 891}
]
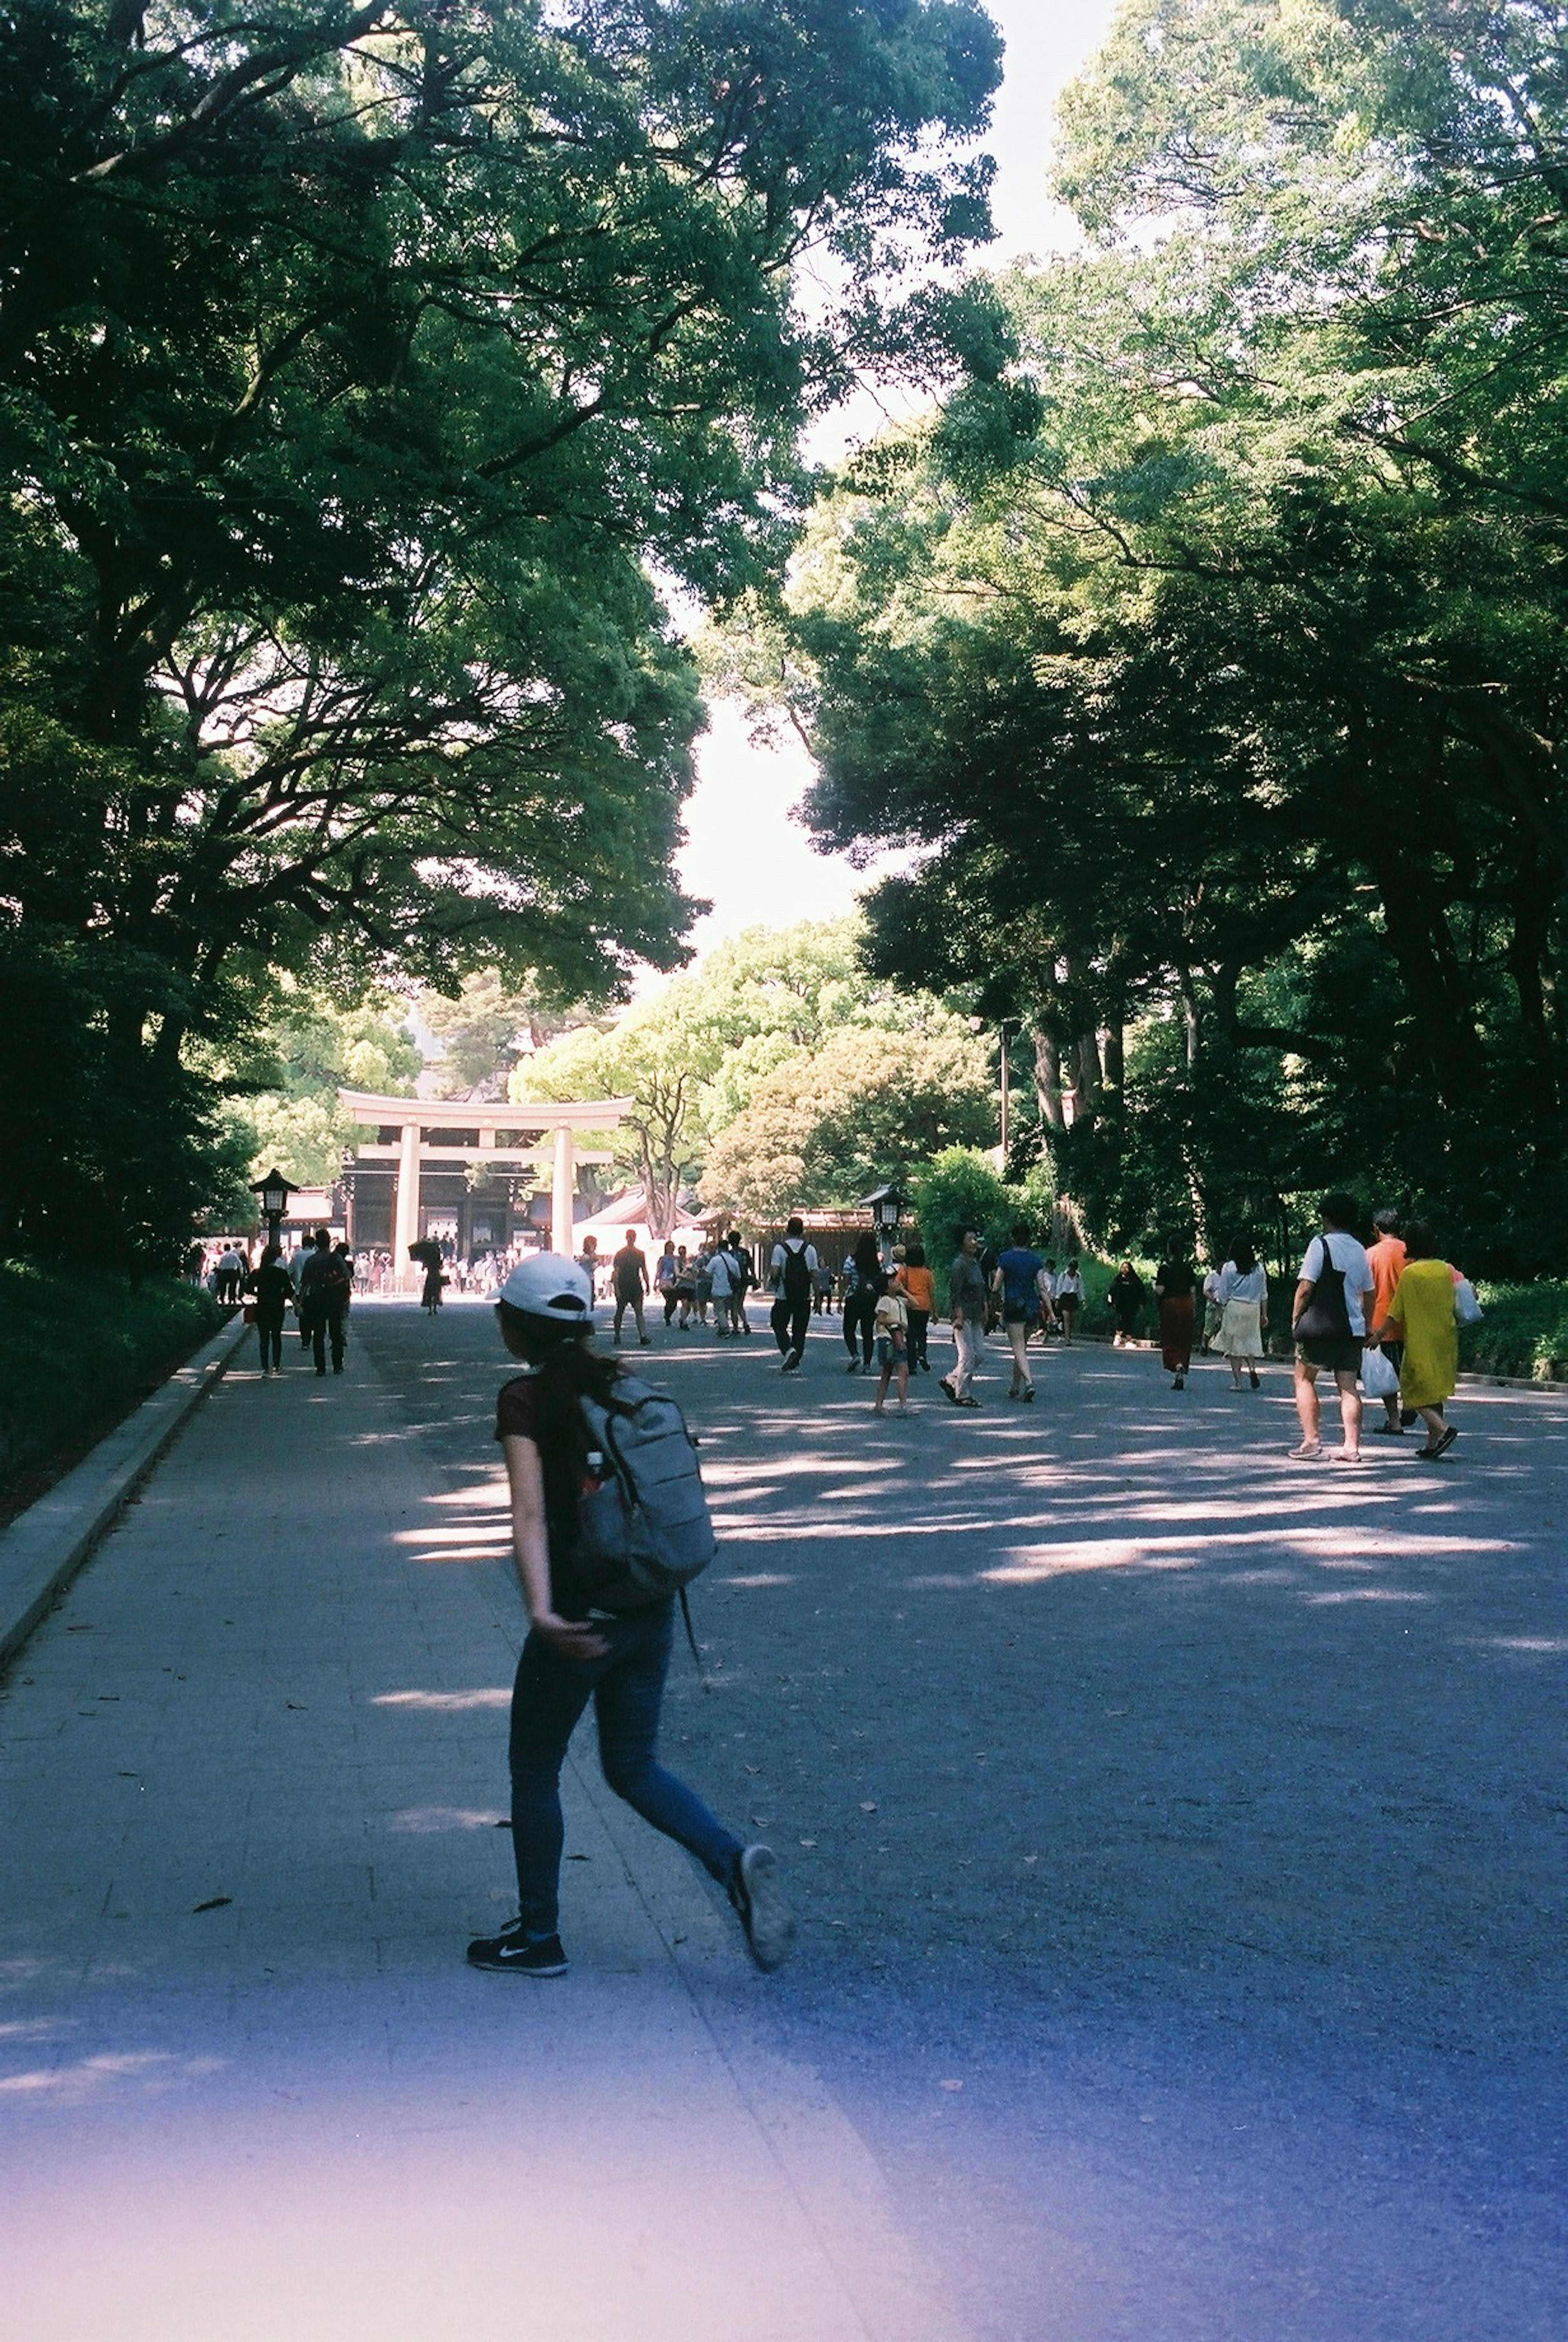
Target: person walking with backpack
[
  {"x": 791, "y": 1274},
  {"x": 1335, "y": 1290},
  {"x": 743, "y": 1278},
  {"x": 554, "y": 1422},
  {"x": 325, "y": 1286}
]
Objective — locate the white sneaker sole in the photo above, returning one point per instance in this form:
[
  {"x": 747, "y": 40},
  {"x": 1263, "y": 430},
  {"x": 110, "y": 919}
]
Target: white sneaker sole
[{"x": 770, "y": 1923}]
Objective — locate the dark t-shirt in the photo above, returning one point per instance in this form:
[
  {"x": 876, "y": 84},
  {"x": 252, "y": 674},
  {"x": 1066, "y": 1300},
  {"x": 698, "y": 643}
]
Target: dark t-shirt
[
  {"x": 1176, "y": 1279},
  {"x": 1020, "y": 1266},
  {"x": 631, "y": 1270},
  {"x": 274, "y": 1289},
  {"x": 517, "y": 1417}
]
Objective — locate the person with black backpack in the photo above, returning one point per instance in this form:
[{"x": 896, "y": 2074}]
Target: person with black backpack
[
  {"x": 792, "y": 1276},
  {"x": 608, "y": 1520}
]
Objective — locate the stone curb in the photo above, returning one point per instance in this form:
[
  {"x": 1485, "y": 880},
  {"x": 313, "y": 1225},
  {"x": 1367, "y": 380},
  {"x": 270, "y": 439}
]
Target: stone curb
[{"x": 43, "y": 1549}]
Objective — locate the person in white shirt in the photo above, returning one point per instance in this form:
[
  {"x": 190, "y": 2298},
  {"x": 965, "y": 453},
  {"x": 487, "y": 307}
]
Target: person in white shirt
[
  {"x": 721, "y": 1285},
  {"x": 1243, "y": 1296},
  {"x": 1329, "y": 1319},
  {"x": 1068, "y": 1298}
]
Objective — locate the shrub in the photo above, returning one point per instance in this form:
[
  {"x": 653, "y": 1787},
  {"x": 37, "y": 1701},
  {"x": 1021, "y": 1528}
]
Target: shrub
[
  {"x": 960, "y": 1188},
  {"x": 1524, "y": 1332},
  {"x": 78, "y": 1350}
]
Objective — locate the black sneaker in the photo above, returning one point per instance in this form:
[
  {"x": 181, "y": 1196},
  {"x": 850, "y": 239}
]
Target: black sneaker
[
  {"x": 758, "y": 1898},
  {"x": 513, "y": 1949}
]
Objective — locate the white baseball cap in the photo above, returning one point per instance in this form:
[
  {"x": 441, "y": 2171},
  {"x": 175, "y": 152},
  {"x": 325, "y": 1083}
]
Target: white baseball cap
[{"x": 546, "y": 1285}]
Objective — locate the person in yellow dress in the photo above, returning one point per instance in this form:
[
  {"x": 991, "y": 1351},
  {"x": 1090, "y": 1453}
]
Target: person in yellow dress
[{"x": 1421, "y": 1316}]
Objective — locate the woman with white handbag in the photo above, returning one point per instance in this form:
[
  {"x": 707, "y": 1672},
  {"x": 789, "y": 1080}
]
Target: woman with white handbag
[{"x": 1424, "y": 1315}]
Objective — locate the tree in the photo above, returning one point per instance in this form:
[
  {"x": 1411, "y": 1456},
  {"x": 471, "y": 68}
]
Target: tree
[
  {"x": 865, "y": 1108},
  {"x": 698, "y": 1057},
  {"x": 290, "y": 1117},
  {"x": 359, "y": 366},
  {"x": 1222, "y": 686},
  {"x": 483, "y": 1031}
]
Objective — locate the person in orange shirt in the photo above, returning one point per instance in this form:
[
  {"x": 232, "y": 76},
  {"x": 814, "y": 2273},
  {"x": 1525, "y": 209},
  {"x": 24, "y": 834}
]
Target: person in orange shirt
[
  {"x": 1387, "y": 1258},
  {"x": 920, "y": 1299}
]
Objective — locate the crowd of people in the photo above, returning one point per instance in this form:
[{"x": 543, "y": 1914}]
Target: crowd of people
[{"x": 1380, "y": 1321}]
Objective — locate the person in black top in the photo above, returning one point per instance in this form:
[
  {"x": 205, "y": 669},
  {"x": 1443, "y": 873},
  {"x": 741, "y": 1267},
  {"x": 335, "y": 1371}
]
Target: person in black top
[
  {"x": 1175, "y": 1290},
  {"x": 273, "y": 1289},
  {"x": 860, "y": 1302},
  {"x": 325, "y": 1288},
  {"x": 1127, "y": 1295},
  {"x": 574, "y": 1653}
]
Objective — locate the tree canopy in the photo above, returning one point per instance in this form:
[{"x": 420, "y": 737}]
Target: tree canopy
[
  {"x": 361, "y": 367},
  {"x": 1213, "y": 660},
  {"x": 777, "y": 1072}
]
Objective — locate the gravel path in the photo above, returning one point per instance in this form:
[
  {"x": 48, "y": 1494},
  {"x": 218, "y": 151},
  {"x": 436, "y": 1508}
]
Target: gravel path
[
  {"x": 1200, "y": 1815},
  {"x": 1177, "y": 1835}
]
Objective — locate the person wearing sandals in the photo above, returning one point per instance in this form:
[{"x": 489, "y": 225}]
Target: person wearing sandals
[
  {"x": 1176, "y": 1290},
  {"x": 966, "y": 1302},
  {"x": 1243, "y": 1312},
  {"x": 1329, "y": 1319},
  {"x": 1386, "y": 1260},
  {"x": 1018, "y": 1279},
  {"x": 1422, "y": 1317},
  {"x": 574, "y": 1654}
]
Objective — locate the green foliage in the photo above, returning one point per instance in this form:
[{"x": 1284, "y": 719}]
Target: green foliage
[
  {"x": 1523, "y": 1333},
  {"x": 730, "y": 1048},
  {"x": 836, "y": 1122},
  {"x": 1223, "y": 696},
  {"x": 483, "y": 1030},
  {"x": 77, "y": 1348},
  {"x": 291, "y": 1071},
  {"x": 359, "y": 370},
  {"x": 959, "y": 1189}
]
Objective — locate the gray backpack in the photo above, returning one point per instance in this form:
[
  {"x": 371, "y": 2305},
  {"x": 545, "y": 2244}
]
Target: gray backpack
[{"x": 643, "y": 1526}]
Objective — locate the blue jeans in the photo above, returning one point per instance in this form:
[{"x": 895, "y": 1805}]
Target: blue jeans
[{"x": 625, "y": 1687}]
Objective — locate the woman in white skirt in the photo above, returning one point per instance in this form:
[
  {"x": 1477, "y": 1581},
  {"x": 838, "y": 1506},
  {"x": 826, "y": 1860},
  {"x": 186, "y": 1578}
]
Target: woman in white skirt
[{"x": 1243, "y": 1296}]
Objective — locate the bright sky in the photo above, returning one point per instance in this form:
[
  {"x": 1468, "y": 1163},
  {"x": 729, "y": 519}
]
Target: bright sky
[{"x": 745, "y": 852}]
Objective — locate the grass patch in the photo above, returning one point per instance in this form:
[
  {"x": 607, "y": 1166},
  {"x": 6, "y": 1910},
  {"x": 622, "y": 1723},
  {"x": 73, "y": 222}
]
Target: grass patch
[
  {"x": 78, "y": 1351},
  {"x": 1523, "y": 1334}
]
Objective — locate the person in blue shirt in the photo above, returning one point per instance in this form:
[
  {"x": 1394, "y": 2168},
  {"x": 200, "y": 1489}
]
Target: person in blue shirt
[{"x": 1017, "y": 1280}]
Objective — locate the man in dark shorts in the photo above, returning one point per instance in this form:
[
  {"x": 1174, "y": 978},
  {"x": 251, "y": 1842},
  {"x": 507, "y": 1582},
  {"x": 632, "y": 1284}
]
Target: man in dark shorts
[
  {"x": 631, "y": 1274},
  {"x": 1329, "y": 1319},
  {"x": 1017, "y": 1280}
]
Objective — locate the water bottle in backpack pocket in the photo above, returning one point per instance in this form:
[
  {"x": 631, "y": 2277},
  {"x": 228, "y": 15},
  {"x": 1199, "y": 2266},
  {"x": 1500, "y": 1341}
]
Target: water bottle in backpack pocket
[{"x": 644, "y": 1530}]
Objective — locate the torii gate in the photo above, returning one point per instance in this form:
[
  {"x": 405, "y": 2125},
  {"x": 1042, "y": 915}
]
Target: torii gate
[{"x": 412, "y": 1118}]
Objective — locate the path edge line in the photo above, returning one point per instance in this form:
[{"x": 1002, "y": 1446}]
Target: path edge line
[{"x": 45, "y": 1546}]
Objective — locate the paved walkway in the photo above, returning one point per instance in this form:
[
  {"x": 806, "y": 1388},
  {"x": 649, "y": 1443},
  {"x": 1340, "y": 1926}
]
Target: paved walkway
[
  {"x": 1178, "y": 1833},
  {"x": 296, "y": 2114}
]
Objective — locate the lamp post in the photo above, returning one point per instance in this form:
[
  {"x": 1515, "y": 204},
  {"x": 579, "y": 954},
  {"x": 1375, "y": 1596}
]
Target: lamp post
[
  {"x": 885, "y": 1205},
  {"x": 274, "y": 1191}
]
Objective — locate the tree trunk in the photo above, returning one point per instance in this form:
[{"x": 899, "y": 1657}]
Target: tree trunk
[{"x": 1047, "y": 1078}]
